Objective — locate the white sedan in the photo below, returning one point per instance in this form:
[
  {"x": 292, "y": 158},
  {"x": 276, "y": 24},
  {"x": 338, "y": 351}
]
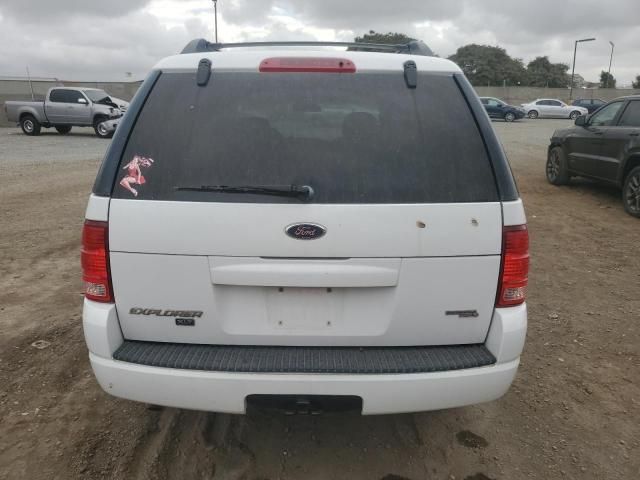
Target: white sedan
[{"x": 551, "y": 107}]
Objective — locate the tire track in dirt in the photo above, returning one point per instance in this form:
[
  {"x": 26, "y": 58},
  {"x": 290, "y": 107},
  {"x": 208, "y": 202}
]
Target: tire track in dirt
[
  {"x": 186, "y": 444},
  {"x": 146, "y": 458}
]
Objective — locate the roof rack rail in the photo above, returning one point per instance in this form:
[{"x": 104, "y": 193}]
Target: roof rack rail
[{"x": 414, "y": 47}]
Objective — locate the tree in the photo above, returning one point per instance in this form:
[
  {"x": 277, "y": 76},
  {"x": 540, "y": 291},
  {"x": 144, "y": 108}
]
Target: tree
[
  {"x": 487, "y": 65},
  {"x": 543, "y": 73},
  {"x": 392, "y": 38},
  {"x": 636, "y": 84},
  {"x": 607, "y": 80}
]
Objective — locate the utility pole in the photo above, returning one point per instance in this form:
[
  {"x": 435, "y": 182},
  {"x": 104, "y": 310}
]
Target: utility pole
[
  {"x": 33, "y": 99},
  {"x": 610, "y": 61},
  {"x": 215, "y": 14},
  {"x": 573, "y": 70}
]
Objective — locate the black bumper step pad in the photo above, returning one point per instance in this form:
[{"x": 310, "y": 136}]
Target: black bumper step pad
[{"x": 337, "y": 360}]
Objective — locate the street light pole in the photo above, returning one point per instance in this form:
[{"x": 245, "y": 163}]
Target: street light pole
[
  {"x": 573, "y": 70},
  {"x": 33, "y": 98},
  {"x": 215, "y": 14},
  {"x": 610, "y": 61}
]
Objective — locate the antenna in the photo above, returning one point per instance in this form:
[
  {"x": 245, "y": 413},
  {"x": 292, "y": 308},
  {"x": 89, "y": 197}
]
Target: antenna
[{"x": 215, "y": 15}]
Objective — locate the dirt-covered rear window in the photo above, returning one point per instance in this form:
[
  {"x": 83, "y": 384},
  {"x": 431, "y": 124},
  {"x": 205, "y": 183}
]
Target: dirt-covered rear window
[{"x": 353, "y": 138}]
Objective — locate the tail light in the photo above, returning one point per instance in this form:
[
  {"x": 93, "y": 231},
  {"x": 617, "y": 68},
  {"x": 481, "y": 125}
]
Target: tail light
[
  {"x": 514, "y": 269},
  {"x": 94, "y": 257},
  {"x": 307, "y": 64}
]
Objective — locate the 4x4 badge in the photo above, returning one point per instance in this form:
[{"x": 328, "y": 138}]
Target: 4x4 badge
[{"x": 305, "y": 231}]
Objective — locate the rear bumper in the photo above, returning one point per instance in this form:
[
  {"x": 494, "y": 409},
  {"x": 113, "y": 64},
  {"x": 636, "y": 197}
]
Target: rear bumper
[{"x": 227, "y": 391}]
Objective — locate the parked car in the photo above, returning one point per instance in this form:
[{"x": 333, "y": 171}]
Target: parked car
[
  {"x": 270, "y": 227},
  {"x": 604, "y": 146},
  {"x": 496, "y": 108},
  {"x": 64, "y": 108},
  {"x": 591, "y": 104},
  {"x": 553, "y": 108}
]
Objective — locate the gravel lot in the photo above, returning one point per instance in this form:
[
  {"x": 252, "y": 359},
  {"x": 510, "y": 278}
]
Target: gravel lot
[{"x": 572, "y": 412}]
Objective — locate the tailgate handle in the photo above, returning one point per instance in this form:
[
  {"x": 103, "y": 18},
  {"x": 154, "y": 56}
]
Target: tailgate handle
[{"x": 308, "y": 274}]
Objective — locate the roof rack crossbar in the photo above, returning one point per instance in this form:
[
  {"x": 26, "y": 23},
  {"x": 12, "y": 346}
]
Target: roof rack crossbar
[{"x": 415, "y": 47}]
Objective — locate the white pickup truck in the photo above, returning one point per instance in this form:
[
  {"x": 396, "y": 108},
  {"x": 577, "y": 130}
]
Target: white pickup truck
[{"x": 65, "y": 107}]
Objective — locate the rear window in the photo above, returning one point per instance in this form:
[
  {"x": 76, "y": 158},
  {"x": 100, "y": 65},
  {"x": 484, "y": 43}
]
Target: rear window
[{"x": 354, "y": 138}]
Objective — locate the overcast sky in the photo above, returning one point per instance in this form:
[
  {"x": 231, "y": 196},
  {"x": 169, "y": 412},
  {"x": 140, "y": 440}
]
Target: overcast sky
[{"x": 101, "y": 40}]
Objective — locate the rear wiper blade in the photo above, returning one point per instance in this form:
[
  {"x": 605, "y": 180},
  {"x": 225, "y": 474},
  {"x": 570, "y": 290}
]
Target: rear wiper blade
[{"x": 304, "y": 192}]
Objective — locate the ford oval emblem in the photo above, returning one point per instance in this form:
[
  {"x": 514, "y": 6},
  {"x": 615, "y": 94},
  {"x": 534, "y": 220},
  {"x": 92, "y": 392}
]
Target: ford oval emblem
[{"x": 305, "y": 231}]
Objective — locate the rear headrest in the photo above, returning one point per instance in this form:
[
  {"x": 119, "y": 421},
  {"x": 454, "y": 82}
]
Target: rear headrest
[
  {"x": 256, "y": 127},
  {"x": 360, "y": 126}
]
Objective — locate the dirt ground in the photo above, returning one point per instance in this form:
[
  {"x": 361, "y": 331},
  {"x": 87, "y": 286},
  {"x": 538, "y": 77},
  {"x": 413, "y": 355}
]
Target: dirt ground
[{"x": 572, "y": 413}]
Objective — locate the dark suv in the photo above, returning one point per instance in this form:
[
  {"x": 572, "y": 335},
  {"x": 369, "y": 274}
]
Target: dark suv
[
  {"x": 496, "y": 108},
  {"x": 604, "y": 146},
  {"x": 591, "y": 104}
]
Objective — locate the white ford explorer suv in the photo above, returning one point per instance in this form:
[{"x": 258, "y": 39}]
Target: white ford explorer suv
[{"x": 308, "y": 222}]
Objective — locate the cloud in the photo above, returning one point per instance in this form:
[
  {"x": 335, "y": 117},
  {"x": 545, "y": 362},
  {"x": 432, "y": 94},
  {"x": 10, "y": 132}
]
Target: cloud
[
  {"x": 102, "y": 40},
  {"x": 41, "y": 11},
  {"x": 344, "y": 14},
  {"x": 92, "y": 49}
]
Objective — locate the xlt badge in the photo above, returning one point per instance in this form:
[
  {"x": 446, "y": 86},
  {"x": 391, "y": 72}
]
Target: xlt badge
[{"x": 305, "y": 231}]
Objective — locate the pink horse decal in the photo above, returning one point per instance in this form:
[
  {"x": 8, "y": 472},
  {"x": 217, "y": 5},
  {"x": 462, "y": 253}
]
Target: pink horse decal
[{"x": 134, "y": 173}]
